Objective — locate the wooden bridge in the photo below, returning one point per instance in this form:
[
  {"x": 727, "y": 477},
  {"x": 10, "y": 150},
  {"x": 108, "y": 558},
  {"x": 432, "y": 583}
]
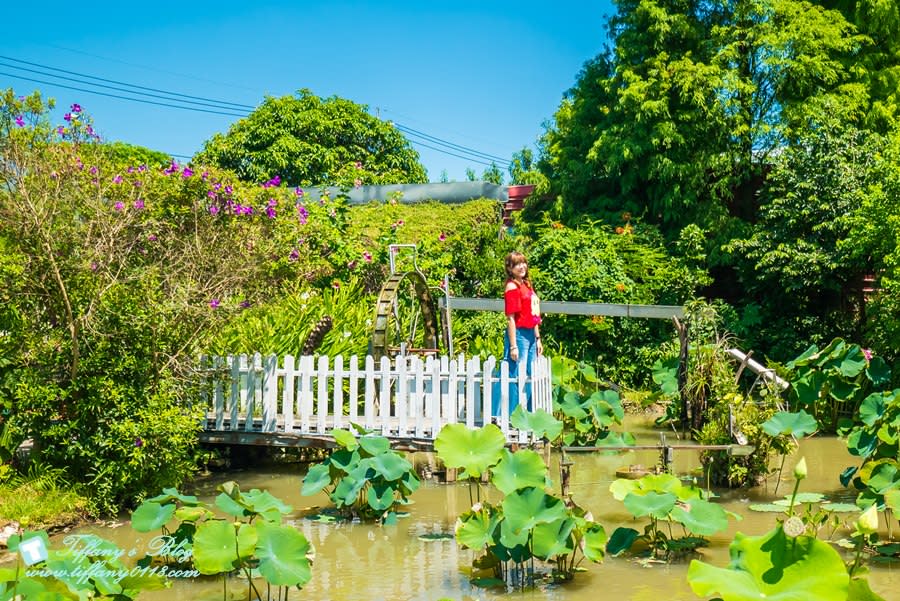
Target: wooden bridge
[{"x": 298, "y": 401}]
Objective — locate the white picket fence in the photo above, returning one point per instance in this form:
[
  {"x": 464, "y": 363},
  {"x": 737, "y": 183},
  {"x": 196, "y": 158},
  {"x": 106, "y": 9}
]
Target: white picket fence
[{"x": 406, "y": 397}]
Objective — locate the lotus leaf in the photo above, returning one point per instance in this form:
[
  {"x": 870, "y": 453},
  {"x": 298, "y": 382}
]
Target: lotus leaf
[
  {"x": 345, "y": 438},
  {"x": 409, "y": 483},
  {"x": 701, "y": 517},
  {"x": 562, "y": 370},
  {"x": 840, "y": 507},
  {"x": 797, "y": 424},
  {"x": 524, "y": 509},
  {"x": 859, "y": 590},
  {"x": 768, "y": 507},
  {"x": 171, "y": 494},
  {"x": 375, "y": 445},
  {"x": 653, "y": 504},
  {"x": 843, "y": 390},
  {"x": 661, "y": 483},
  {"x": 574, "y": 405},
  {"x": 551, "y": 539},
  {"x": 231, "y": 506},
  {"x": 809, "y": 386},
  {"x": 512, "y": 540},
  {"x": 873, "y": 407},
  {"x": 380, "y": 498},
  {"x": 265, "y": 504},
  {"x": 390, "y": 466},
  {"x": 435, "y": 537},
  {"x": 151, "y": 516},
  {"x": 878, "y": 372},
  {"x": 862, "y": 443},
  {"x": 800, "y": 498},
  {"x": 192, "y": 514},
  {"x": 621, "y": 540},
  {"x": 522, "y": 469},
  {"x": 881, "y": 476},
  {"x": 853, "y": 362},
  {"x": 282, "y": 554},
  {"x": 344, "y": 460},
  {"x": 593, "y": 541},
  {"x": 539, "y": 422},
  {"x": 776, "y": 568},
  {"x": 473, "y": 450},
  {"x": 347, "y": 490},
  {"x": 217, "y": 546},
  {"x": 317, "y": 478},
  {"x": 475, "y": 529},
  {"x": 609, "y": 438},
  {"x": 665, "y": 374}
]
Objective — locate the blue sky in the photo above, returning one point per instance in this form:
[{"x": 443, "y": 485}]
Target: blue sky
[{"x": 481, "y": 75}]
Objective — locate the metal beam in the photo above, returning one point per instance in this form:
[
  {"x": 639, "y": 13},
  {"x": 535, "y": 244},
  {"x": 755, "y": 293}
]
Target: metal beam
[{"x": 570, "y": 308}]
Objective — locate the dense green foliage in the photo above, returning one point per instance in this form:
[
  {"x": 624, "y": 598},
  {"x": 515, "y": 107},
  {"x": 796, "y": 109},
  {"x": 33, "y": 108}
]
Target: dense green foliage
[{"x": 306, "y": 140}]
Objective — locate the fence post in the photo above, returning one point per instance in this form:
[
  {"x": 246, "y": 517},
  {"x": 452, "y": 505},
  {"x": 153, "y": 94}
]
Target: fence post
[
  {"x": 338, "y": 391},
  {"x": 270, "y": 394},
  {"x": 287, "y": 400},
  {"x": 384, "y": 399},
  {"x": 354, "y": 390},
  {"x": 322, "y": 396},
  {"x": 370, "y": 392}
]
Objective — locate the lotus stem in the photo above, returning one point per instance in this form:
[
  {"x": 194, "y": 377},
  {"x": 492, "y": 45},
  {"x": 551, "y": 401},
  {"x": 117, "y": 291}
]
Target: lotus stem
[
  {"x": 780, "y": 470},
  {"x": 793, "y": 498}
]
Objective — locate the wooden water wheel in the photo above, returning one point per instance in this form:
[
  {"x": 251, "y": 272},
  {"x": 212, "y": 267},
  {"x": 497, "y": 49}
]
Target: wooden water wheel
[{"x": 406, "y": 320}]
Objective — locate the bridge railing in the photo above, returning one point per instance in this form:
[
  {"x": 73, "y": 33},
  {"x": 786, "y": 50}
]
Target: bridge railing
[{"x": 403, "y": 397}]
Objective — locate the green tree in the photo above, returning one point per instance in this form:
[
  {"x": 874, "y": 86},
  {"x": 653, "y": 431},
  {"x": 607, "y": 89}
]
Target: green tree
[
  {"x": 677, "y": 121},
  {"x": 306, "y": 140},
  {"x": 493, "y": 175}
]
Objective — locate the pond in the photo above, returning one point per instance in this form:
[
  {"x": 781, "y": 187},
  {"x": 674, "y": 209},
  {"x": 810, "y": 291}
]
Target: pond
[{"x": 360, "y": 561}]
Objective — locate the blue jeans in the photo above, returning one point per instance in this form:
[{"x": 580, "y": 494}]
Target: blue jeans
[{"x": 525, "y": 342}]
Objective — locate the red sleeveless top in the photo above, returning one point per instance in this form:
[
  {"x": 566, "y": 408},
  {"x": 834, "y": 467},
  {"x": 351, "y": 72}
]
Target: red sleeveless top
[{"x": 522, "y": 302}]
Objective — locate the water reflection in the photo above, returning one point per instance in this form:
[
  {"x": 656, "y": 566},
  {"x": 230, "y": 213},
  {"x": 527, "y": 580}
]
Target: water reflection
[{"x": 358, "y": 561}]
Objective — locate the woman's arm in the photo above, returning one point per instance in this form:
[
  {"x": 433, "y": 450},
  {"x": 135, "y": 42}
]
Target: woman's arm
[
  {"x": 511, "y": 332},
  {"x": 537, "y": 339}
]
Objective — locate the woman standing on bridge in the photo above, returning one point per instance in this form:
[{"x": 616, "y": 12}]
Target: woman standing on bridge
[{"x": 522, "y": 341}]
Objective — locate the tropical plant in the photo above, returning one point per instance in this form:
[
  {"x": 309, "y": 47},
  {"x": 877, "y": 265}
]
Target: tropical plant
[
  {"x": 254, "y": 541},
  {"x": 529, "y": 522},
  {"x": 88, "y": 568},
  {"x": 664, "y": 499},
  {"x": 832, "y": 382},
  {"x": 789, "y": 564},
  {"x": 366, "y": 477},
  {"x": 586, "y": 416}
]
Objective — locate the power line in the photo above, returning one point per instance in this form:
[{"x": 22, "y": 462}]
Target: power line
[
  {"x": 121, "y": 83},
  {"x": 443, "y": 146}
]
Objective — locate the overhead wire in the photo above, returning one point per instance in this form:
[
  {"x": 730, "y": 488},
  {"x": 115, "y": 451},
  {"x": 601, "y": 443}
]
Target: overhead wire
[{"x": 140, "y": 93}]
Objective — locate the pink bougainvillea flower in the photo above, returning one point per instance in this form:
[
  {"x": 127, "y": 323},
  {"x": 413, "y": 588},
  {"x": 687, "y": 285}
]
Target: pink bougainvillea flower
[
  {"x": 142, "y": 168},
  {"x": 204, "y": 175},
  {"x": 214, "y": 303},
  {"x": 442, "y": 237},
  {"x": 20, "y": 121},
  {"x": 213, "y": 209},
  {"x": 117, "y": 179},
  {"x": 351, "y": 265},
  {"x": 367, "y": 257},
  {"x": 298, "y": 192},
  {"x": 130, "y": 170},
  {"x": 171, "y": 168},
  {"x": 152, "y": 238},
  {"x": 75, "y": 108},
  {"x": 187, "y": 172},
  {"x": 248, "y": 210},
  {"x": 302, "y": 214},
  {"x": 270, "y": 212},
  {"x": 93, "y": 170},
  {"x": 119, "y": 206},
  {"x": 295, "y": 254},
  {"x": 139, "y": 203},
  {"x": 211, "y": 194}
]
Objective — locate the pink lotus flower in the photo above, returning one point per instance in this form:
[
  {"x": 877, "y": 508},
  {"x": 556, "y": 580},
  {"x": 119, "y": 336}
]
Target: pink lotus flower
[{"x": 868, "y": 354}]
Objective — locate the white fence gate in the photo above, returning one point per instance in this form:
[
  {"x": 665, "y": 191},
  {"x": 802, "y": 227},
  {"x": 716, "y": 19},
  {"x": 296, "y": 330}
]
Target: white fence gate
[{"x": 405, "y": 398}]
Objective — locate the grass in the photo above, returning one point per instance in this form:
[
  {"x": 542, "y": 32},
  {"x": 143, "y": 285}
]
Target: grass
[{"x": 40, "y": 500}]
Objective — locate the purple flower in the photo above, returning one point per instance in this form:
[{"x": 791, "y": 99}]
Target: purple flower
[
  {"x": 359, "y": 164},
  {"x": 90, "y": 131},
  {"x": 248, "y": 210},
  {"x": 54, "y": 175},
  {"x": 357, "y": 182},
  {"x": 61, "y": 130},
  {"x": 351, "y": 264},
  {"x": 171, "y": 168},
  {"x": 245, "y": 304},
  {"x": 152, "y": 237},
  {"x": 298, "y": 192},
  {"x": 119, "y": 206},
  {"x": 75, "y": 108},
  {"x": 139, "y": 203},
  {"x": 211, "y": 194},
  {"x": 78, "y": 164},
  {"x": 295, "y": 254},
  {"x": 137, "y": 441},
  {"x": 229, "y": 190},
  {"x": 187, "y": 172},
  {"x": 94, "y": 266},
  {"x": 20, "y": 121},
  {"x": 273, "y": 183},
  {"x": 117, "y": 179},
  {"x": 93, "y": 170},
  {"x": 213, "y": 209},
  {"x": 303, "y": 214},
  {"x": 367, "y": 257},
  {"x": 214, "y": 303},
  {"x": 270, "y": 213},
  {"x": 336, "y": 285},
  {"x": 442, "y": 237},
  {"x": 142, "y": 168},
  {"x": 204, "y": 175},
  {"x": 67, "y": 117}
]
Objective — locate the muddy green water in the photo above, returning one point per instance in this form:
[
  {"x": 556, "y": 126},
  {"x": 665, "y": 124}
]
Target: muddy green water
[{"x": 364, "y": 562}]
